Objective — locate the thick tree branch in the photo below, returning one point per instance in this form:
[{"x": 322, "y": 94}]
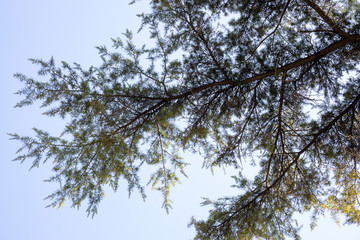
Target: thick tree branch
[
  {"x": 326, "y": 18},
  {"x": 302, "y": 61},
  {"x": 316, "y": 56}
]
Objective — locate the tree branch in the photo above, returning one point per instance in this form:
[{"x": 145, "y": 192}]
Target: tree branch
[
  {"x": 277, "y": 180},
  {"x": 277, "y": 26},
  {"x": 326, "y": 18},
  {"x": 303, "y": 61}
]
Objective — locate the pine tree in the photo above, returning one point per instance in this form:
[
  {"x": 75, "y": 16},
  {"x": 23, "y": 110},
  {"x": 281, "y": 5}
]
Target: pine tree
[{"x": 232, "y": 80}]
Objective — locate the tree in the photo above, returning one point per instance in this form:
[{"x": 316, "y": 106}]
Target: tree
[{"x": 233, "y": 80}]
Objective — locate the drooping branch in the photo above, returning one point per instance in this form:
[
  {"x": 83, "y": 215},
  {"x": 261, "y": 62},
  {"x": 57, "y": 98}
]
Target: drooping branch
[
  {"x": 279, "y": 128},
  {"x": 315, "y": 138},
  {"x": 260, "y": 193}
]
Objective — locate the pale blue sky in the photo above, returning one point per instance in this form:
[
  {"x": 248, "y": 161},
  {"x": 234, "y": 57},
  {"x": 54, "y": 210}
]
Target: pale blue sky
[{"x": 69, "y": 30}]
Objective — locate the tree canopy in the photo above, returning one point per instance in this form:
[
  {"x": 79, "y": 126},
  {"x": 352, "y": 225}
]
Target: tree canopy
[{"x": 272, "y": 82}]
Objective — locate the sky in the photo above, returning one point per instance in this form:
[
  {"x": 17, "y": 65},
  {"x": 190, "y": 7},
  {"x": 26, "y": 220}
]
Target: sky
[{"x": 69, "y": 30}]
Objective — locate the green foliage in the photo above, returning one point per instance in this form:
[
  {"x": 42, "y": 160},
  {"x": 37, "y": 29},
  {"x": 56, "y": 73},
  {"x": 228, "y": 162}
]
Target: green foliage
[{"x": 232, "y": 80}]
